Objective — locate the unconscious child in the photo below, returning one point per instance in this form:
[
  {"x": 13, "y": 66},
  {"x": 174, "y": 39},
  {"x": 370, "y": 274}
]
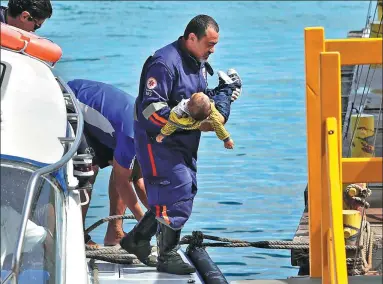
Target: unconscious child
[{"x": 189, "y": 114}]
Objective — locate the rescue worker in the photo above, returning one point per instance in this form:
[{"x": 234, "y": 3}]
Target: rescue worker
[
  {"x": 173, "y": 73},
  {"x": 28, "y": 15},
  {"x": 108, "y": 137}
]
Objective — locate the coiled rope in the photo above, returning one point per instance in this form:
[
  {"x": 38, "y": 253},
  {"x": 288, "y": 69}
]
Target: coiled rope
[{"x": 357, "y": 263}]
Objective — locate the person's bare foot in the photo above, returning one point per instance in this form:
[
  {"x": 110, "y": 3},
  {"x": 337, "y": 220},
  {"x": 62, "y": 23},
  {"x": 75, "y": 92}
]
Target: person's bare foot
[
  {"x": 113, "y": 235},
  {"x": 90, "y": 243}
]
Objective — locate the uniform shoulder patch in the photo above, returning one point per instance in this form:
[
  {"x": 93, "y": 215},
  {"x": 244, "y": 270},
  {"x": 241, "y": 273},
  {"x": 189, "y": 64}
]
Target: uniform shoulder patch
[{"x": 151, "y": 83}]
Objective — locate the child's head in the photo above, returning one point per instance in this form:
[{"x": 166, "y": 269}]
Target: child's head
[{"x": 199, "y": 106}]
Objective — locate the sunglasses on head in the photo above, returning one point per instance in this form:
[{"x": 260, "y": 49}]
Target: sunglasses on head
[{"x": 37, "y": 25}]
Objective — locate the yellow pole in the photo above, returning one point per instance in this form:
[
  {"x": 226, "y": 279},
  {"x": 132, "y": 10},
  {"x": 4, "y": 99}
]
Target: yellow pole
[
  {"x": 330, "y": 92},
  {"x": 362, "y": 130},
  {"x": 314, "y": 45},
  {"x": 351, "y": 222},
  {"x": 336, "y": 270}
]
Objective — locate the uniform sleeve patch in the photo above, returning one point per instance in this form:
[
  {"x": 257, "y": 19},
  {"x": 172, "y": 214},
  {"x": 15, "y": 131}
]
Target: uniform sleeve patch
[{"x": 151, "y": 83}]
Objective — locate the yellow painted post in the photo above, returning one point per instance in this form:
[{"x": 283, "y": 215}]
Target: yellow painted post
[
  {"x": 336, "y": 271},
  {"x": 314, "y": 44},
  {"x": 331, "y": 257},
  {"x": 351, "y": 223},
  {"x": 330, "y": 93},
  {"x": 362, "y": 130}
]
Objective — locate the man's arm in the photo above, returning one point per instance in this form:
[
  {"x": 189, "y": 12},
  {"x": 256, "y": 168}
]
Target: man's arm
[
  {"x": 155, "y": 97},
  {"x": 122, "y": 173},
  {"x": 122, "y": 182}
]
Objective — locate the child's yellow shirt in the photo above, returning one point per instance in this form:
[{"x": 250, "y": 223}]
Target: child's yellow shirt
[{"x": 188, "y": 123}]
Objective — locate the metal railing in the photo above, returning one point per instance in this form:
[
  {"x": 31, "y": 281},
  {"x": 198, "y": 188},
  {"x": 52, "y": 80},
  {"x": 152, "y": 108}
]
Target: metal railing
[
  {"x": 335, "y": 243},
  {"x": 323, "y": 60},
  {"x": 33, "y": 181}
]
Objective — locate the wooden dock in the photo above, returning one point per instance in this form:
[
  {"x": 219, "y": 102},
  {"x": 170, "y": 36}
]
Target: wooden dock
[{"x": 374, "y": 217}]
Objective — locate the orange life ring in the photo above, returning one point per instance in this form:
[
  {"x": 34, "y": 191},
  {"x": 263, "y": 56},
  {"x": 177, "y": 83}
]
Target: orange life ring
[{"x": 29, "y": 43}]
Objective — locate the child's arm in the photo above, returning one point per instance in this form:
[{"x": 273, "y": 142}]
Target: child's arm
[
  {"x": 168, "y": 128},
  {"x": 174, "y": 123},
  {"x": 218, "y": 127}
]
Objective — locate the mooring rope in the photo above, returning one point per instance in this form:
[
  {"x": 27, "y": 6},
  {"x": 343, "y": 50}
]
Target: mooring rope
[
  {"x": 197, "y": 237},
  {"x": 358, "y": 264},
  {"x": 361, "y": 263},
  {"x": 107, "y": 219},
  {"x": 94, "y": 268}
]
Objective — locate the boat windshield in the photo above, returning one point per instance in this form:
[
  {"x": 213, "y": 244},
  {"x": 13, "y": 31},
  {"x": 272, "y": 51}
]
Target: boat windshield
[{"x": 42, "y": 250}]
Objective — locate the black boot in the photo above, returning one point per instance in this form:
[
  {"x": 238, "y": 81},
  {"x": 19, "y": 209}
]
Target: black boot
[
  {"x": 168, "y": 258},
  {"x": 137, "y": 241}
]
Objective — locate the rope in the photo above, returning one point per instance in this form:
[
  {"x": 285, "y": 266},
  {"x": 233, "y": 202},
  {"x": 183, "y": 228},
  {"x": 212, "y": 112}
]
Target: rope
[
  {"x": 118, "y": 260},
  {"x": 359, "y": 265},
  {"x": 112, "y": 255},
  {"x": 197, "y": 237},
  {"x": 107, "y": 219},
  {"x": 362, "y": 263},
  {"x": 94, "y": 268}
]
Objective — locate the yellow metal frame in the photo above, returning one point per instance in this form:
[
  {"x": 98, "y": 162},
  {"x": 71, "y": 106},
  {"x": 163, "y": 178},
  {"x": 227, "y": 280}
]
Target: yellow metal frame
[
  {"x": 336, "y": 270},
  {"x": 327, "y": 170}
]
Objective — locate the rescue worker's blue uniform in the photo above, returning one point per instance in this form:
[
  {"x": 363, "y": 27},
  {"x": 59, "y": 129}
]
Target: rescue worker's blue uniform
[
  {"x": 108, "y": 116},
  {"x": 169, "y": 168}
]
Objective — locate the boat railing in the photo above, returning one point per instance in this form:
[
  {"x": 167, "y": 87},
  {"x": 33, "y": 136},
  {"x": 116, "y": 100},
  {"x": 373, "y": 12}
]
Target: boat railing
[
  {"x": 327, "y": 169},
  {"x": 69, "y": 152}
]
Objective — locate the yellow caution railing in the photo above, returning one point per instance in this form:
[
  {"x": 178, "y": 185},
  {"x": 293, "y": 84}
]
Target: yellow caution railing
[
  {"x": 323, "y": 60},
  {"x": 335, "y": 244}
]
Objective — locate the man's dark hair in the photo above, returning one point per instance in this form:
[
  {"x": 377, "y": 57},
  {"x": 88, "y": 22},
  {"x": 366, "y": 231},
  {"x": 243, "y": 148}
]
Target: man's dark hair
[
  {"x": 199, "y": 24},
  {"x": 39, "y": 9}
]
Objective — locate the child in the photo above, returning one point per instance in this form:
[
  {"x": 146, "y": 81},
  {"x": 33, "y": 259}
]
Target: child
[{"x": 189, "y": 114}]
